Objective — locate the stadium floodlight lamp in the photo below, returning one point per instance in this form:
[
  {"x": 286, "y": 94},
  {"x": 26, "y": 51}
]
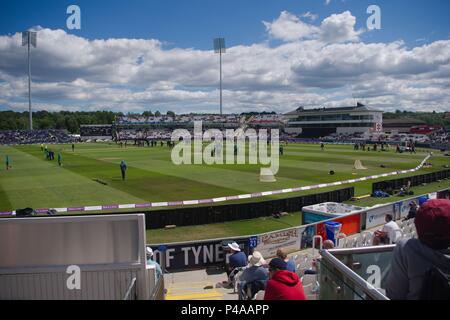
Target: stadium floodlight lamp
[
  {"x": 219, "y": 47},
  {"x": 29, "y": 38}
]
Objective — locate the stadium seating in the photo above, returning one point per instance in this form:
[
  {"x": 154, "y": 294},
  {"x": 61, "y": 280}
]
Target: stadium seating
[
  {"x": 35, "y": 136},
  {"x": 310, "y": 286}
]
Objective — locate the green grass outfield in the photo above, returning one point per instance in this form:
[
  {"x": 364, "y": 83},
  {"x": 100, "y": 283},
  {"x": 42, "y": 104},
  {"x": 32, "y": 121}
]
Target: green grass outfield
[{"x": 152, "y": 177}]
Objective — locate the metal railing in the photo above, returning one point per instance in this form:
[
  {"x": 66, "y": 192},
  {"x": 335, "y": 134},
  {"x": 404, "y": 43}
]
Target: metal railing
[
  {"x": 334, "y": 274},
  {"x": 131, "y": 288},
  {"x": 159, "y": 291}
]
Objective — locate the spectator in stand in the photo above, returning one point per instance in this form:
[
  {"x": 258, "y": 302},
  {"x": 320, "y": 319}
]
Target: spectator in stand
[
  {"x": 389, "y": 233},
  {"x": 34, "y": 137},
  {"x": 414, "y": 258},
  {"x": 255, "y": 275},
  {"x": 238, "y": 259},
  {"x": 290, "y": 264},
  {"x": 256, "y": 270},
  {"x": 327, "y": 245},
  {"x": 412, "y": 211},
  {"x": 283, "y": 284}
]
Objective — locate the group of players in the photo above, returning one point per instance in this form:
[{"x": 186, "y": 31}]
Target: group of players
[{"x": 50, "y": 155}]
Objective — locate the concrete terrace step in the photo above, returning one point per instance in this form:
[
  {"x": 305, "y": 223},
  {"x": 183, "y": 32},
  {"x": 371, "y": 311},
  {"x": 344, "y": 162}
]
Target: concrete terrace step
[{"x": 197, "y": 285}]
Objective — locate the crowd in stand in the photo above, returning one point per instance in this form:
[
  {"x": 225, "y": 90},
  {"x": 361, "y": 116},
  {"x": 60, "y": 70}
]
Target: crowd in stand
[
  {"x": 440, "y": 136},
  {"x": 419, "y": 269},
  {"x": 96, "y": 131},
  {"x": 188, "y": 118},
  {"x": 277, "y": 279},
  {"x": 266, "y": 120},
  {"x": 35, "y": 136},
  {"x": 147, "y": 134}
]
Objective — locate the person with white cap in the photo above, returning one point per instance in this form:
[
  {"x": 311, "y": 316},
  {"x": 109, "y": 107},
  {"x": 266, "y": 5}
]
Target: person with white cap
[
  {"x": 151, "y": 262},
  {"x": 237, "y": 258},
  {"x": 256, "y": 270},
  {"x": 255, "y": 275}
]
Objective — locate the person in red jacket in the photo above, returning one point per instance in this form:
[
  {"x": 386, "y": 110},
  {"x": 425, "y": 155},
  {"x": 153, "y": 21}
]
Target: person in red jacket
[{"x": 283, "y": 284}]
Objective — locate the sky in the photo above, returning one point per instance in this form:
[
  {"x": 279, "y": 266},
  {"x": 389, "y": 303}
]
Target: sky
[{"x": 139, "y": 55}]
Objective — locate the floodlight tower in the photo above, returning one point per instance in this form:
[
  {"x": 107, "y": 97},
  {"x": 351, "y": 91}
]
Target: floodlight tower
[
  {"x": 29, "y": 39},
  {"x": 219, "y": 47}
]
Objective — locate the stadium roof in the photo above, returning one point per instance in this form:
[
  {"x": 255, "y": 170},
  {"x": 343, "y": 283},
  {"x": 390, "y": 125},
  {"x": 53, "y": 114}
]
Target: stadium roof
[{"x": 358, "y": 107}]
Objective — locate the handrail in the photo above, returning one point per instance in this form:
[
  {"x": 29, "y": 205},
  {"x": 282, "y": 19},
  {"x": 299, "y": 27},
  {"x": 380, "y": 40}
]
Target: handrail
[
  {"x": 158, "y": 291},
  {"x": 314, "y": 244},
  {"x": 354, "y": 278},
  {"x": 133, "y": 282}
]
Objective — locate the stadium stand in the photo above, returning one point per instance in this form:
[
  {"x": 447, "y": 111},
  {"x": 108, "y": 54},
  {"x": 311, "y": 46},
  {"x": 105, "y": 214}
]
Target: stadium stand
[{"x": 35, "y": 136}]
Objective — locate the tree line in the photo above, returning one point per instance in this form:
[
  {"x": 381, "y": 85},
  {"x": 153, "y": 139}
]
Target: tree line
[{"x": 71, "y": 121}]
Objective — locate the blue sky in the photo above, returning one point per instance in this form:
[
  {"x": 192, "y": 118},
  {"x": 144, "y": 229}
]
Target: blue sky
[
  {"x": 192, "y": 23},
  {"x": 315, "y": 62}
]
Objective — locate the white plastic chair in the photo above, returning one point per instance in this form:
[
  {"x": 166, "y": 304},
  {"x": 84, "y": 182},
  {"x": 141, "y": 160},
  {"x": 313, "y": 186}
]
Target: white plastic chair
[
  {"x": 360, "y": 240},
  {"x": 310, "y": 285},
  {"x": 305, "y": 264},
  {"x": 259, "y": 295},
  {"x": 368, "y": 238}
]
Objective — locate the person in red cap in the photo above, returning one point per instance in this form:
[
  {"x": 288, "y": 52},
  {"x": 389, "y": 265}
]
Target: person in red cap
[
  {"x": 414, "y": 258},
  {"x": 283, "y": 284}
]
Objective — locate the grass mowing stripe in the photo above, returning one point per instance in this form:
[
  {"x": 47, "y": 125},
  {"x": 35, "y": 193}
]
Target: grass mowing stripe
[
  {"x": 141, "y": 181},
  {"x": 4, "y": 200},
  {"x": 39, "y": 183},
  {"x": 152, "y": 176}
]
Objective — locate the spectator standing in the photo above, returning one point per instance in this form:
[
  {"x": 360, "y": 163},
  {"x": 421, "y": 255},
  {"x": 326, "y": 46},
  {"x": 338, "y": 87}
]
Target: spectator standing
[
  {"x": 413, "y": 258},
  {"x": 283, "y": 284}
]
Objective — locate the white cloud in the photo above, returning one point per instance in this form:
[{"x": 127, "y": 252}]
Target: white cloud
[
  {"x": 333, "y": 29},
  {"x": 339, "y": 28},
  {"x": 288, "y": 27},
  {"x": 314, "y": 65},
  {"x": 310, "y": 15}
]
